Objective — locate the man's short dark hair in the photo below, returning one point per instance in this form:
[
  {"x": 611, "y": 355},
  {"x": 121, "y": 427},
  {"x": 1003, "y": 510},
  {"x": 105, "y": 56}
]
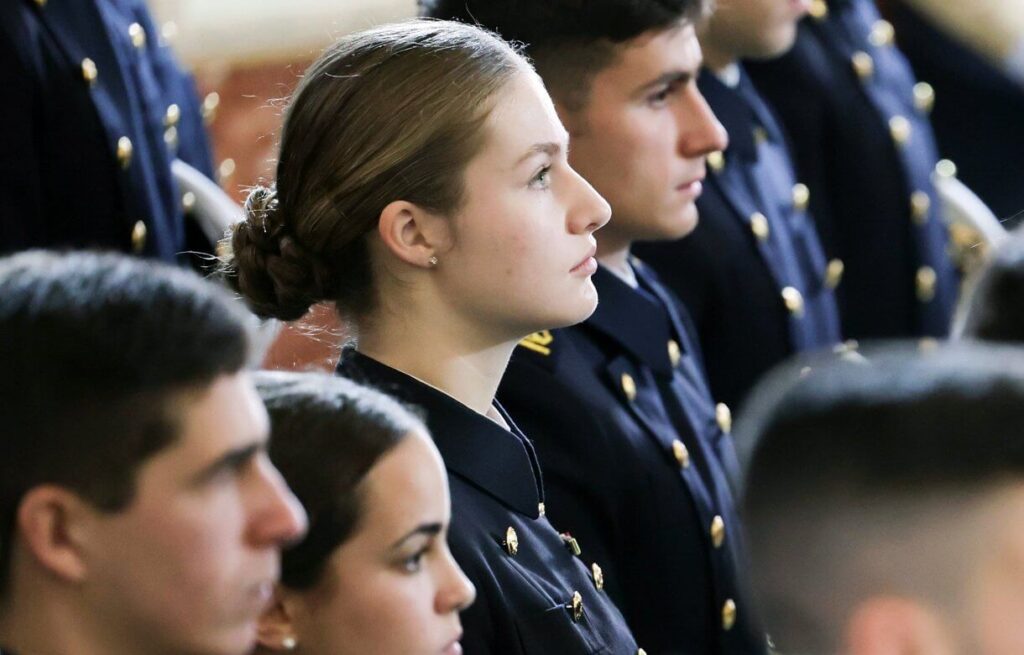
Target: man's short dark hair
[
  {"x": 859, "y": 467},
  {"x": 95, "y": 350},
  {"x": 569, "y": 41}
]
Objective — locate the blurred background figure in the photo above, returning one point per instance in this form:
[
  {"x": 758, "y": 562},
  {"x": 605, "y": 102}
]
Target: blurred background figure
[
  {"x": 972, "y": 53},
  {"x": 859, "y": 123},
  {"x": 374, "y": 574},
  {"x": 885, "y": 505},
  {"x": 993, "y": 308}
]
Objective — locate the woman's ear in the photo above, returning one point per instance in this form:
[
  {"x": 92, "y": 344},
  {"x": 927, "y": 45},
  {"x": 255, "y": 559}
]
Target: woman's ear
[
  {"x": 414, "y": 235},
  {"x": 276, "y": 630}
]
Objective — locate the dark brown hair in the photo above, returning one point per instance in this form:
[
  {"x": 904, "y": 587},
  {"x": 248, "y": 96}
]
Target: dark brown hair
[
  {"x": 392, "y": 113},
  {"x": 326, "y": 435}
]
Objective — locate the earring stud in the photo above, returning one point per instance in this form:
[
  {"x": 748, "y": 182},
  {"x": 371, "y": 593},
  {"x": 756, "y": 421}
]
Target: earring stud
[
  {"x": 432, "y": 261},
  {"x": 289, "y": 643}
]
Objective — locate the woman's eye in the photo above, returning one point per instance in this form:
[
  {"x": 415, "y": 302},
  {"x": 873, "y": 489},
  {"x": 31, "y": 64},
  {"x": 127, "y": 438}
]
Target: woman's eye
[
  {"x": 414, "y": 563},
  {"x": 542, "y": 180}
]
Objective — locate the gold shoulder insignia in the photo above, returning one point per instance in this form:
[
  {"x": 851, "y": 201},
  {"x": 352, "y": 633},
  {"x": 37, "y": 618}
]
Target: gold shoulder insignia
[{"x": 539, "y": 342}]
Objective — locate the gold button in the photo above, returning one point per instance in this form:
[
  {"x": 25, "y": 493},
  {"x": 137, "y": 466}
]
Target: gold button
[
  {"x": 716, "y": 160},
  {"x": 171, "y": 137},
  {"x": 137, "y": 35},
  {"x": 576, "y": 607},
  {"x": 925, "y": 283},
  {"x": 945, "y": 168},
  {"x": 924, "y": 97},
  {"x": 139, "y": 232},
  {"x": 89, "y": 70},
  {"x": 209, "y": 109},
  {"x": 641, "y": 652},
  {"x": 760, "y": 135},
  {"x": 124, "y": 151},
  {"x": 801, "y": 197},
  {"x": 863, "y": 65},
  {"x": 681, "y": 454},
  {"x": 541, "y": 509},
  {"x": 729, "y": 614},
  {"x": 717, "y": 531},
  {"x": 900, "y": 129},
  {"x": 674, "y": 354},
  {"x": 920, "y": 204},
  {"x": 834, "y": 273},
  {"x": 628, "y": 386},
  {"x": 759, "y": 226},
  {"x": 818, "y": 9},
  {"x": 41, "y": 3},
  {"x": 511, "y": 541},
  {"x": 188, "y": 201},
  {"x": 172, "y": 115},
  {"x": 794, "y": 301},
  {"x": 723, "y": 415},
  {"x": 882, "y": 34},
  {"x": 598, "y": 576},
  {"x": 571, "y": 543}
]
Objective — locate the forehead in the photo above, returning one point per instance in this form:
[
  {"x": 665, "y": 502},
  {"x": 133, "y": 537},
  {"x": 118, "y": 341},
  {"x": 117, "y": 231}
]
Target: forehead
[
  {"x": 522, "y": 115},
  {"x": 405, "y": 488},
  {"x": 644, "y": 58}
]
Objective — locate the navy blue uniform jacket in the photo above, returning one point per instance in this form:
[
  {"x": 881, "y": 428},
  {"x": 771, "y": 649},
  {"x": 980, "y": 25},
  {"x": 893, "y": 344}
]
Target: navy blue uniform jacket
[
  {"x": 865, "y": 147},
  {"x": 752, "y": 274},
  {"x": 638, "y": 467},
  {"x": 525, "y": 595},
  {"x": 94, "y": 109}
]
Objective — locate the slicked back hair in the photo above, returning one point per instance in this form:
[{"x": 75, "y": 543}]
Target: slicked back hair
[{"x": 569, "y": 41}]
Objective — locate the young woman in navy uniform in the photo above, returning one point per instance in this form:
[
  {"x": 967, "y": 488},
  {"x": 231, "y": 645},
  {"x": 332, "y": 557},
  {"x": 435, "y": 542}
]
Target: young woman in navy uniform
[
  {"x": 864, "y": 145},
  {"x": 636, "y": 453},
  {"x": 95, "y": 110},
  {"x": 423, "y": 188},
  {"x": 753, "y": 273}
]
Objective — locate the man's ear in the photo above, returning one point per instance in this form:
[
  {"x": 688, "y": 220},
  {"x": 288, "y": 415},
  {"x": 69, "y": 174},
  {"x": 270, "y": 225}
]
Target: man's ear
[
  {"x": 50, "y": 524},
  {"x": 414, "y": 235},
  {"x": 895, "y": 625},
  {"x": 276, "y": 630}
]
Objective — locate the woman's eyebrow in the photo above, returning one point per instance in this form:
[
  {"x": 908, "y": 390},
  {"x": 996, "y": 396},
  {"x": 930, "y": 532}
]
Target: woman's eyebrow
[{"x": 427, "y": 529}]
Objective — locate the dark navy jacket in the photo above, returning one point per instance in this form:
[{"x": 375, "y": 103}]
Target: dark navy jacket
[
  {"x": 752, "y": 274},
  {"x": 94, "y": 109},
  {"x": 638, "y": 467},
  {"x": 525, "y": 595},
  {"x": 864, "y": 145},
  {"x": 978, "y": 111}
]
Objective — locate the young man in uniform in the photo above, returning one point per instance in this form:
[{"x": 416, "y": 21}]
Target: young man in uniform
[
  {"x": 636, "y": 456},
  {"x": 139, "y": 512}
]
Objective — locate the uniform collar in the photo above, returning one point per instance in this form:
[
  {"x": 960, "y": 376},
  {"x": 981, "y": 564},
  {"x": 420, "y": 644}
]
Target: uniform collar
[
  {"x": 634, "y": 318},
  {"x": 501, "y": 462}
]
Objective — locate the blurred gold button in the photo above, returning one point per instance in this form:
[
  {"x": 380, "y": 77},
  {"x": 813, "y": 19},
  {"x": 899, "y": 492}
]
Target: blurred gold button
[
  {"x": 834, "y": 273},
  {"x": 571, "y": 543},
  {"x": 945, "y": 168},
  {"x": 124, "y": 151},
  {"x": 209, "y": 109},
  {"x": 794, "y": 301},
  {"x": 628, "y": 386},
  {"x": 576, "y": 607},
  {"x": 900, "y": 129},
  {"x": 760, "y": 135},
  {"x": 137, "y": 35},
  {"x": 598, "y": 576},
  {"x": 723, "y": 415},
  {"x": 716, "y": 160},
  {"x": 729, "y": 614},
  {"x": 641, "y": 652},
  {"x": 674, "y": 354},
  {"x": 681, "y": 454},
  {"x": 717, "y": 531},
  {"x": 924, "y": 97},
  {"x": 172, "y": 115},
  {"x": 863, "y": 65},
  {"x": 882, "y": 34},
  {"x": 920, "y": 204},
  {"x": 759, "y": 226},
  {"x": 41, "y": 3},
  {"x": 925, "y": 279},
  {"x": 171, "y": 137},
  {"x": 139, "y": 233},
  {"x": 801, "y": 196},
  {"x": 89, "y": 70},
  {"x": 188, "y": 201},
  {"x": 818, "y": 9},
  {"x": 511, "y": 541}
]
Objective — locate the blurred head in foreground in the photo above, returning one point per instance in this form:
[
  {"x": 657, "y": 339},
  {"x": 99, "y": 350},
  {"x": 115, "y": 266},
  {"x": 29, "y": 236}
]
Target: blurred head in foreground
[{"x": 885, "y": 505}]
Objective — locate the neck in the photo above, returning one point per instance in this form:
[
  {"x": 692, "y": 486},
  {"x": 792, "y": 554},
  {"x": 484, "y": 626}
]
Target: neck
[
  {"x": 613, "y": 253},
  {"x": 715, "y": 59},
  {"x": 447, "y": 353}
]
